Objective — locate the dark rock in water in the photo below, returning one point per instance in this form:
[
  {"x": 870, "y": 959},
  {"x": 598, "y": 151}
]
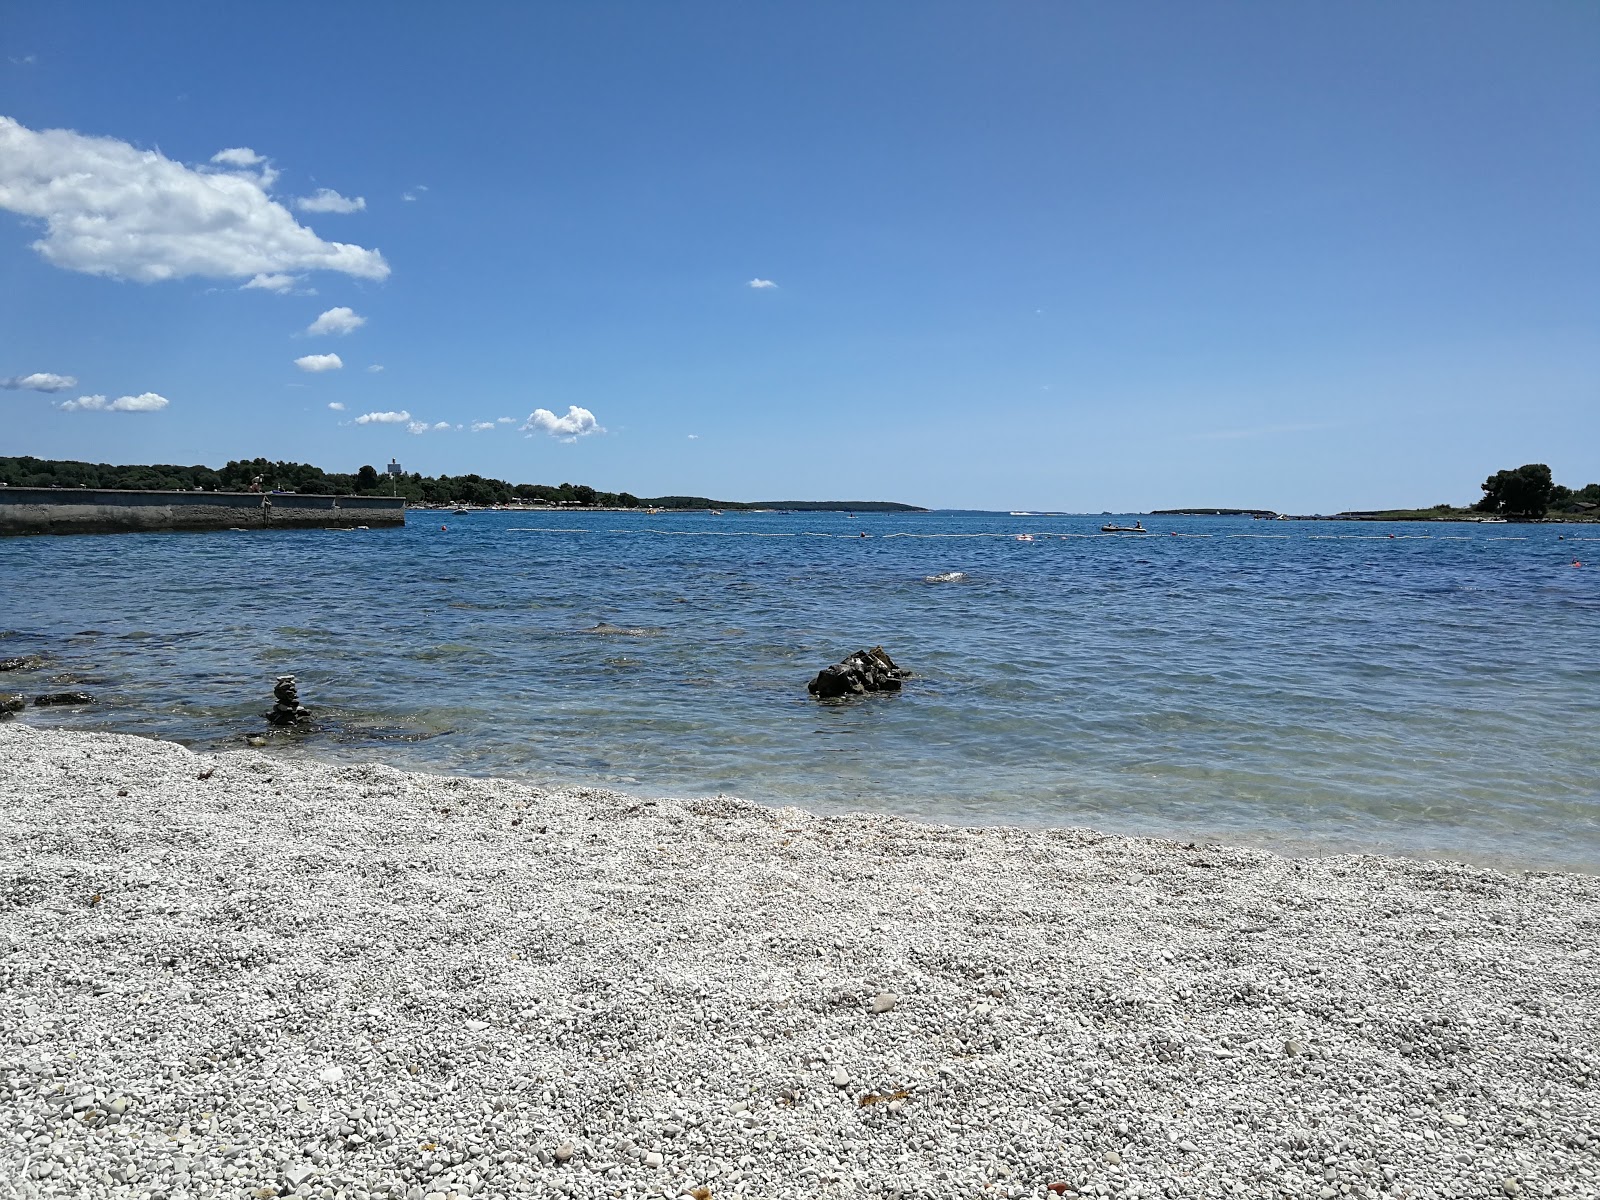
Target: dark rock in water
[
  {"x": 12, "y": 703},
  {"x": 862, "y": 672},
  {"x": 62, "y": 698},
  {"x": 288, "y": 710},
  {"x": 19, "y": 664}
]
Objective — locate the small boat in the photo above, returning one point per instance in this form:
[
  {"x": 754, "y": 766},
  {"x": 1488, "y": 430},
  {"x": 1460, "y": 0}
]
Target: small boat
[
  {"x": 1136, "y": 527},
  {"x": 458, "y": 511}
]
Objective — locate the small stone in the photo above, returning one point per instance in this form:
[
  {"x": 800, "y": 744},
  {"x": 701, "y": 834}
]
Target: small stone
[
  {"x": 654, "y": 1159},
  {"x": 1188, "y": 1147},
  {"x": 1112, "y": 1157},
  {"x": 477, "y": 1026},
  {"x": 1510, "y": 1186},
  {"x": 298, "y": 1174},
  {"x": 884, "y": 1001},
  {"x": 841, "y": 1078},
  {"x": 1455, "y": 1119},
  {"x": 62, "y": 698},
  {"x": 565, "y": 1151},
  {"x": 1291, "y": 1048},
  {"x": 331, "y": 1074}
]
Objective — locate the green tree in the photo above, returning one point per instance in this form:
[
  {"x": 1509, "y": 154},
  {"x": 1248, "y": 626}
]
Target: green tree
[
  {"x": 367, "y": 478},
  {"x": 1524, "y": 492}
]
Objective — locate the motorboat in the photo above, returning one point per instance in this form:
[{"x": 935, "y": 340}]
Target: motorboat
[{"x": 1136, "y": 527}]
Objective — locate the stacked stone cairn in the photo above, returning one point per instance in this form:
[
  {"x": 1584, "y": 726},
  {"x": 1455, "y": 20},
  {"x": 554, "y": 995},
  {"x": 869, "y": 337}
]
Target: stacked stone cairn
[
  {"x": 862, "y": 672},
  {"x": 288, "y": 711}
]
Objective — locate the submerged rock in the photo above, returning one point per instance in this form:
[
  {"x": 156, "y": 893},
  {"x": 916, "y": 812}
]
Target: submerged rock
[
  {"x": 12, "y": 703},
  {"x": 27, "y": 663},
  {"x": 62, "y": 698},
  {"x": 862, "y": 672},
  {"x": 288, "y": 710}
]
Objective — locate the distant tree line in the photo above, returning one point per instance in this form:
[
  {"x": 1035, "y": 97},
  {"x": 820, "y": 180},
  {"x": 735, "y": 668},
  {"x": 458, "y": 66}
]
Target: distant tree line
[
  {"x": 1529, "y": 491},
  {"x": 241, "y": 476}
]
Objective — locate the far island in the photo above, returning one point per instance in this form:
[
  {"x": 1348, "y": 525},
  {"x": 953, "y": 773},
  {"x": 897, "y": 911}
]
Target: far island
[{"x": 265, "y": 476}]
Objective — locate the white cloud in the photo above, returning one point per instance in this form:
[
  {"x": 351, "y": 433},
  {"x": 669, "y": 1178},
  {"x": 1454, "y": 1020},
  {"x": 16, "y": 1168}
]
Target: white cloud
[
  {"x": 270, "y": 283},
  {"x": 319, "y": 362},
  {"x": 579, "y": 422},
  {"x": 761, "y": 283},
  {"x": 375, "y": 368},
  {"x": 326, "y": 200},
  {"x": 145, "y": 402},
  {"x": 336, "y": 405},
  {"x": 39, "y": 381},
  {"x": 480, "y": 426},
  {"x": 424, "y": 427},
  {"x": 112, "y": 209},
  {"x": 238, "y": 156},
  {"x": 694, "y": 437},
  {"x": 384, "y": 418},
  {"x": 505, "y": 420},
  {"x": 336, "y": 320}
]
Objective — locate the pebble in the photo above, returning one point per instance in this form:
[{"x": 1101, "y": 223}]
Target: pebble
[
  {"x": 884, "y": 1001},
  {"x": 841, "y": 1078}
]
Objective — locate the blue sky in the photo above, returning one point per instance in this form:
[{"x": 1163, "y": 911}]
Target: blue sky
[{"x": 1068, "y": 256}]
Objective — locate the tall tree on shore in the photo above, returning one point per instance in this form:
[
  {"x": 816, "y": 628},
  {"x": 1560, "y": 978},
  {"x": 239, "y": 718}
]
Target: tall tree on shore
[{"x": 1524, "y": 492}]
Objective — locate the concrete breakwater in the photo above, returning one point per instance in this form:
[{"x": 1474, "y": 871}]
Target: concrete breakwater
[{"x": 25, "y": 510}]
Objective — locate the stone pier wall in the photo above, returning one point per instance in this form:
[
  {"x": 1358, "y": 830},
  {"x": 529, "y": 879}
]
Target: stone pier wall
[{"x": 85, "y": 510}]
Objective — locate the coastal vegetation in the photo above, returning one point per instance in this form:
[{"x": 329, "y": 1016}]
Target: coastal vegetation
[
  {"x": 241, "y": 474},
  {"x": 1525, "y": 493}
]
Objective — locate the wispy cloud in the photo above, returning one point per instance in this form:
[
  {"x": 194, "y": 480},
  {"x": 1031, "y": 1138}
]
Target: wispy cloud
[
  {"x": 238, "y": 156},
  {"x": 112, "y": 209},
  {"x": 326, "y": 200},
  {"x": 336, "y": 405},
  {"x": 271, "y": 283},
  {"x": 482, "y": 426},
  {"x": 384, "y": 418},
  {"x": 39, "y": 381},
  {"x": 1262, "y": 431},
  {"x": 424, "y": 427},
  {"x": 336, "y": 320},
  {"x": 375, "y": 368},
  {"x": 145, "y": 402},
  {"x": 761, "y": 283},
  {"x": 579, "y": 422},
  {"x": 319, "y": 362},
  {"x": 694, "y": 437}
]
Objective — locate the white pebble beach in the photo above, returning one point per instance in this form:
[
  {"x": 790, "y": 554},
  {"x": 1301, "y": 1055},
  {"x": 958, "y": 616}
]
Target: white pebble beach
[{"x": 241, "y": 975}]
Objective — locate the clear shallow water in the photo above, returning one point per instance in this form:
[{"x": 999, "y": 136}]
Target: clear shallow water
[{"x": 1313, "y": 685}]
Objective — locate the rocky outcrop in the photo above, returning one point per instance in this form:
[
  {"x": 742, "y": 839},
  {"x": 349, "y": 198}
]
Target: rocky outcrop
[
  {"x": 63, "y": 698},
  {"x": 862, "y": 672},
  {"x": 30, "y": 663},
  {"x": 11, "y": 703},
  {"x": 288, "y": 710}
]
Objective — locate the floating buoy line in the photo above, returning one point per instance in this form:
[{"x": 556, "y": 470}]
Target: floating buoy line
[{"x": 1148, "y": 535}]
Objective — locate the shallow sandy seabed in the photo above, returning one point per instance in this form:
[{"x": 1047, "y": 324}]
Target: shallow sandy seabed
[{"x": 236, "y": 975}]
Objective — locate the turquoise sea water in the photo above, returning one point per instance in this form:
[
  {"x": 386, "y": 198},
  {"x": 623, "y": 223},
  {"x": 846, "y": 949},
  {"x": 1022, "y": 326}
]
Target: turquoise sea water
[{"x": 1310, "y": 685}]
